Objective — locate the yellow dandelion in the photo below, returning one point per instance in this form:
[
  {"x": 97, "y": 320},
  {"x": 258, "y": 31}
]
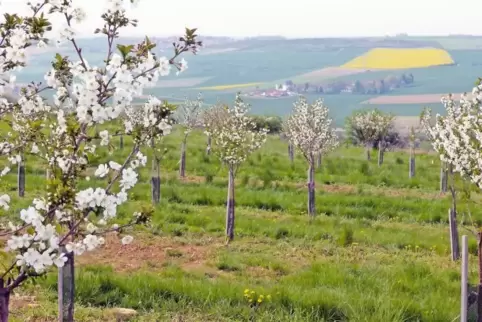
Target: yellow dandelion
[
  {"x": 246, "y": 291},
  {"x": 260, "y": 300},
  {"x": 268, "y": 297}
]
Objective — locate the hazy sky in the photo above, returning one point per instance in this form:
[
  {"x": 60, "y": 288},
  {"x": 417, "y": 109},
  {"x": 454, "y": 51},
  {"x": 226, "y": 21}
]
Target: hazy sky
[{"x": 293, "y": 18}]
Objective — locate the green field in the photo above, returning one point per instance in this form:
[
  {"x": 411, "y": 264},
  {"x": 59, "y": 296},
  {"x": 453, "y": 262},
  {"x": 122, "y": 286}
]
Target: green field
[
  {"x": 276, "y": 61},
  {"x": 378, "y": 249}
]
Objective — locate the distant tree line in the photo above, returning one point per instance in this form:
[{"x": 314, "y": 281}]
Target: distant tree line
[{"x": 378, "y": 86}]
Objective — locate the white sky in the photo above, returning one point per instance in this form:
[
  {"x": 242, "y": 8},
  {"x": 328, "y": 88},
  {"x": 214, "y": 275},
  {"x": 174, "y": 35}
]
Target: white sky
[{"x": 292, "y": 18}]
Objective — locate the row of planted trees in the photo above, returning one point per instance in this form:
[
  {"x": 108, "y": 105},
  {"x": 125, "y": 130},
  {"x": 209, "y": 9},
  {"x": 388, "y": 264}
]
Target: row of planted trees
[{"x": 66, "y": 220}]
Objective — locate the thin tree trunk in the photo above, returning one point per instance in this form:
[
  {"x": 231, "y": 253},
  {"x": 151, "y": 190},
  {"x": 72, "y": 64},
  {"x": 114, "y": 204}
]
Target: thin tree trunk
[
  {"x": 66, "y": 289},
  {"x": 454, "y": 236},
  {"x": 21, "y": 178},
  {"x": 4, "y": 301},
  {"x": 311, "y": 188},
  {"x": 479, "y": 287},
  {"x": 121, "y": 142},
  {"x": 319, "y": 160},
  {"x": 443, "y": 178},
  {"x": 230, "y": 207},
  {"x": 208, "y": 147},
  {"x": 454, "y": 233},
  {"x": 291, "y": 152},
  {"x": 182, "y": 163},
  {"x": 155, "y": 181},
  {"x": 380, "y": 153},
  {"x": 411, "y": 166},
  {"x": 368, "y": 148}
]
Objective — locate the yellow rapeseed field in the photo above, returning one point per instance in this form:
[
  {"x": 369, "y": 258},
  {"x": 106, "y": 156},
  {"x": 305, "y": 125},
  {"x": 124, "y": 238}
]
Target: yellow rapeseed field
[
  {"x": 399, "y": 58},
  {"x": 231, "y": 86}
]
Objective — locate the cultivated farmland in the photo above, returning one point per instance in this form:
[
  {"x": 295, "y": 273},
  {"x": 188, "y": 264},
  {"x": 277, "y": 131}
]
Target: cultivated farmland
[
  {"x": 401, "y": 58},
  {"x": 411, "y": 99},
  {"x": 378, "y": 250}
]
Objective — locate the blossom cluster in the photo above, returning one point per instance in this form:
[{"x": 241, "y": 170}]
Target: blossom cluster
[
  {"x": 67, "y": 218},
  {"x": 188, "y": 114},
  {"x": 310, "y": 129},
  {"x": 367, "y": 126},
  {"x": 234, "y": 132},
  {"x": 457, "y": 136}
]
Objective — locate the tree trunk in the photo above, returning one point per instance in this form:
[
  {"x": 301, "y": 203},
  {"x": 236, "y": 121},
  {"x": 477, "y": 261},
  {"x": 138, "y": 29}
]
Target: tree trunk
[
  {"x": 411, "y": 165},
  {"x": 121, "y": 142},
  {"x": 230, "y": 207},
  {"x": 21, "y": 178},
  {"x": 66, "y": 289},
  {"x": 380, "y": 153},
  {"x": 311, "y": 188},
  {"x": 319, "y": 160},
  {"x": 4, "y": 301},
  {"x": 291, "y": 152},
  {"x": 155, "y": 181},
  {"x": 443, "y": 178},
  {"x": 454, "y": 235},
  {"x": 479, "y": 287},
  {"x": 208, "y": 147},
  {"x": 182, "y": 163},
  {"x": 368, "y": 148}
]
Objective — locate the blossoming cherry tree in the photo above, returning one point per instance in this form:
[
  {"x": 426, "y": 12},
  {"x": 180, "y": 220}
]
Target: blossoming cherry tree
[
  {"x": 309, "y": 129},
  {"x": 235, "y": 137},
  {"x": 68, "y": 220}
]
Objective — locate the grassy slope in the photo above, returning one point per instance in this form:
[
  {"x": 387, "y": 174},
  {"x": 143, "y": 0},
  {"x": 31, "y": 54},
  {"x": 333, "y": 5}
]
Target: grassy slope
[{"x": 378, "y": 251}]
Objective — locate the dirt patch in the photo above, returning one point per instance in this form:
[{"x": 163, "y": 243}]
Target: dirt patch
[
  {"x": 152, "y": 252},
  {"x": 193, "y": 179},
  {"x": 20, "y": 301},
  {"x": 409, "y": 99}
]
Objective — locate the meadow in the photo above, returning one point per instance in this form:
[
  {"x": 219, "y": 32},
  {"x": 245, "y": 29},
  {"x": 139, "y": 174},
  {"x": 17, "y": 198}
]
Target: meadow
[{"x": 378, "y": 250}]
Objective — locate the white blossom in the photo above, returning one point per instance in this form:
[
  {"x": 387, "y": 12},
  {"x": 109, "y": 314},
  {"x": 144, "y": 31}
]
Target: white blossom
[
  {"x": 102, "y": 171},
  {"x": 457, "y": 137},
  {"x": 234, "y": 134},
  {"x": 114, "y": 165},
  {"x": 126, "y": 240},
  {"x": 309, "y": 128},
  {"x": 4, "y": 201}
]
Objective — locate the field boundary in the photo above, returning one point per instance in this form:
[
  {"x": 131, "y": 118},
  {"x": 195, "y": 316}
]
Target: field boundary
[{"x": 410, "y": 99}]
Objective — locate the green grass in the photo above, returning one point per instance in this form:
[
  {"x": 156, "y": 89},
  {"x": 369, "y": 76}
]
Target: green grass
[{"x": 378, "y": 249}]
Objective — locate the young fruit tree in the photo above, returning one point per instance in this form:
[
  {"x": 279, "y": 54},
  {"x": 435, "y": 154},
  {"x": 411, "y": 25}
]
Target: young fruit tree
[
  {"x": 365, "y": 127},
  {"x": 188, "y": 115},
  {"x": 411, "y": 159},
  {"x": 67, "y": 219},
  {"x": 457, "y": 137},
  {"x": 235, "y": 137},
  {"x": 309, "y": 129},
  {"x": 214, "y": 114}
]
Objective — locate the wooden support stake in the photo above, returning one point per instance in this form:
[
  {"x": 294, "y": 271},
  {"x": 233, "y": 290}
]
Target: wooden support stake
[{"x": 464, "y": 294}]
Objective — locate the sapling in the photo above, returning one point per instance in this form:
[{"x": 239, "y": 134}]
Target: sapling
[
  {"x": 365, "y": 127},
  {"x": 235, "y": 137},
  {"x": 309, "y": 128},
  {"x": 188, "y": 116}
]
